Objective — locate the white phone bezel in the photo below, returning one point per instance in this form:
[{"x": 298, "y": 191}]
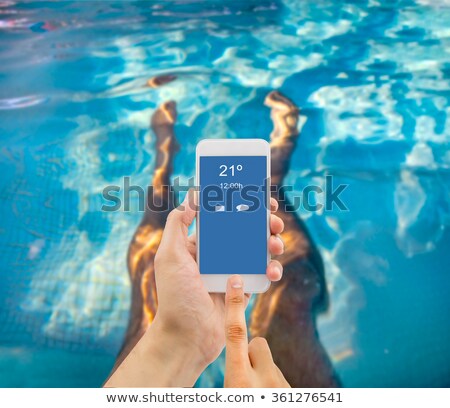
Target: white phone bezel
[{"x": 253, "y": 283}]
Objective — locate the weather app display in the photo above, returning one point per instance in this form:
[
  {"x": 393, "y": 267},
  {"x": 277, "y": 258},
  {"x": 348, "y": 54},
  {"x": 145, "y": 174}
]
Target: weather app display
[{"x": 233, "y": 214}]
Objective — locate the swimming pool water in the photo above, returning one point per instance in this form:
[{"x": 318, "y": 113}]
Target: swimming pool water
[{"x": 373, "y": 81}]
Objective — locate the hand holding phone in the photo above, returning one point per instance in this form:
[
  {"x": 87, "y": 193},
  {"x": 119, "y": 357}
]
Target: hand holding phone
[
  {"x": 234, "y": 212},
  {"x": 185, "y": 308},
  {"x": 187, "y": 333}
]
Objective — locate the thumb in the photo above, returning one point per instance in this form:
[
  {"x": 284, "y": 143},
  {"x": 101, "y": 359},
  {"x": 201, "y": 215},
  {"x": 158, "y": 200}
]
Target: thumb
[{"x": 176, "y": 230}]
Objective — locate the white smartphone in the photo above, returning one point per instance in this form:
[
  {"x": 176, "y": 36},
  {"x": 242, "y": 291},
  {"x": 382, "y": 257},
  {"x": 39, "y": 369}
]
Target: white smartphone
[{"x": 233, "y": 176}]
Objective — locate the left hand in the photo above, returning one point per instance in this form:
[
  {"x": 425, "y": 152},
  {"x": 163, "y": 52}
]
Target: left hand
[
  {"x": 185, "y": 308},
  {"x": 187, "y": 333}
]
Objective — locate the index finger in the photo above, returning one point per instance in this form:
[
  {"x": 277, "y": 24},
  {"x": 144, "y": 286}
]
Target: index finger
[
  {"x": 235, "y": 326},
  {"x": 273, "y": 205}
]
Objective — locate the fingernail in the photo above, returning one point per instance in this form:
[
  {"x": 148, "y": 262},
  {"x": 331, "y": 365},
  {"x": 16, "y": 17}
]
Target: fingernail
[
  {"x": 278, "y": 268},
  {"x": 279, "y": 239},
  {"x": 187, "y": 202},
  {"x": 191, "y": 198},
  {"x": 236, "y": 282}
]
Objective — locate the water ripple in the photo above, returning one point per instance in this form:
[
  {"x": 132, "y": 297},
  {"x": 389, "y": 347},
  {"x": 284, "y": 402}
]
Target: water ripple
[{"x": 21, "y": 102}]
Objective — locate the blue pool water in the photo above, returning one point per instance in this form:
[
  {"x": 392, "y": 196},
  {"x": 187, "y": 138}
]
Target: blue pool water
[{"x": 373, "y": 81}]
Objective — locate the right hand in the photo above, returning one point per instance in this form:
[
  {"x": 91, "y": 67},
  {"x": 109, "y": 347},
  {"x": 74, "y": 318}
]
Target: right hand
[{"x": 247, "y": 365}]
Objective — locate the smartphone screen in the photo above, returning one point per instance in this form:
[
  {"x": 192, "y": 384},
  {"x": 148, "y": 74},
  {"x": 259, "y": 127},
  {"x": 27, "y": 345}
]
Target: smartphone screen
[{"x": 233, "y": 214}]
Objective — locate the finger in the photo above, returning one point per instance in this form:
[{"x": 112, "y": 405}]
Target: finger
[
  {"x": 260, "y": 354},
  {"x": 276, "y": 224},
  {"x": 273, "y": 204},
  {"x": 193, "y": 238},
  {"x": 276, "y": 245},
  {"x": 176, "y": 229},
  {"x": 219, "y": 300},
  {"x": 274, "y": 271},
  {"x": 235, "y": 326}
]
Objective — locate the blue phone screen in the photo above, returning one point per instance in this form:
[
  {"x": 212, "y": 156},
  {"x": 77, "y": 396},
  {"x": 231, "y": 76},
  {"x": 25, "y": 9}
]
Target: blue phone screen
[{"x": 233, "y": 214}]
